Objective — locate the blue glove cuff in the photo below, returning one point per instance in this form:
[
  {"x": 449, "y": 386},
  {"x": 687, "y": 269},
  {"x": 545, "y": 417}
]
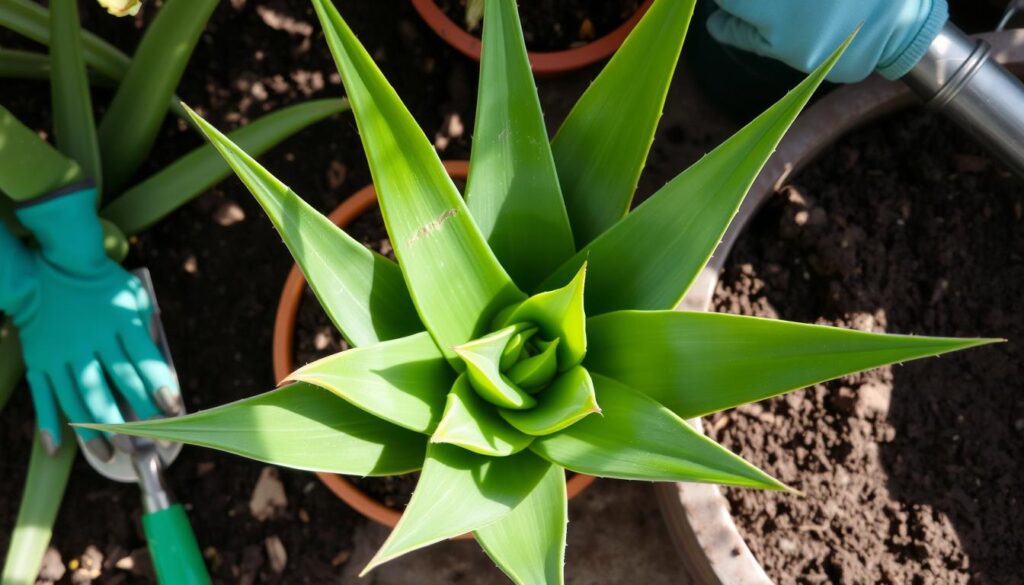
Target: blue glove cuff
[
  {"x": 66, "y": 226},
  {"x": 905, "y": 61}
]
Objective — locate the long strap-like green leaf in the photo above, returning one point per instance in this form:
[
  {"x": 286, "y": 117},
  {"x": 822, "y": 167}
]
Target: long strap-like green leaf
[
  {"x": 602, "y": 145},
  {"x": 685, "y": 219},
  {"x": 128, "y": 129},
  {"x": 513, "y": 190},
  {"x": 362, "y": 291},
  {"x": 22, "y": 149},
  {"x": 455, "y": 280},
  {"x": 73, "y": 123},
  {"x": 699, "y": 363},
  {"x": 150, "y": 200},
  {"x": 299, "y": 426},
  {"x": 44, "y": 489},
  {"x": 17, "y": 64}
]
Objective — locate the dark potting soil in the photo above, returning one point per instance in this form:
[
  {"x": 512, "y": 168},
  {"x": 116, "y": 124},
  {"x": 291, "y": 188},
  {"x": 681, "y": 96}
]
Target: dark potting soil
[
  {"x": 912, "y": 474},
  {"x": 556, "y": 25},
  {"x": 393, "y": 491},
  {"x": 218, "y": 267}
]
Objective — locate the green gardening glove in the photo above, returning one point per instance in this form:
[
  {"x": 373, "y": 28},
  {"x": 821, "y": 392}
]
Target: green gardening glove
[{"x": 83, "y": 322}]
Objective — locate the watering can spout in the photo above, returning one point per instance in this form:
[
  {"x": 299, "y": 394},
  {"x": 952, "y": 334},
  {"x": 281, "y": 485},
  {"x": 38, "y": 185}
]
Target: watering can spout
[{"x": 959, "y": 77}]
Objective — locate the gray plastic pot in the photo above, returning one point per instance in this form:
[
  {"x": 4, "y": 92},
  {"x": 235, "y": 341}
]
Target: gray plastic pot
[{"x": 698, "y": 515}]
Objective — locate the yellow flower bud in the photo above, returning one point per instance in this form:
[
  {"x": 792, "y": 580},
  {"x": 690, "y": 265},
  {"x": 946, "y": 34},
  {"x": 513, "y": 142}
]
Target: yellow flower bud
[{"x": 121, "y": 7}]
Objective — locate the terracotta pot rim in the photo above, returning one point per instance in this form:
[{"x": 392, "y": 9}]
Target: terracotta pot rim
[
  {"x": 542, "y": 62},
  {"x": 284, "y": 338}
]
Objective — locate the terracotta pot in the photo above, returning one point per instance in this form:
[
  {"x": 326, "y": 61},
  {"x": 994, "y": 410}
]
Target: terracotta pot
[
  {"x": 542, "y": 63},
  {"x": 697, "y": 514},
  {"x": 284, "y": 363}
]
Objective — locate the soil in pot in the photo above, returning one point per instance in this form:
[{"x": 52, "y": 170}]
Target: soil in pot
[
  {"x": 912, "y": 474},
  {"x": 557, "y": 25}
]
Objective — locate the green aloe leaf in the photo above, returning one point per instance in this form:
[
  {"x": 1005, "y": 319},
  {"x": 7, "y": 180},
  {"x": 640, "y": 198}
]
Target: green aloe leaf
[
  {"x": 299, "y": 426},
  {"x": 685, "y": 219},
  {"x": 512, "y": 178},
  {"x": 457, "y": 283},
  {"x": 40, "y": 501},
  {"x": 459, "y": 492},
  {"x": 30, "y": 20},
  {"x": 567, "y": 400},
  {"x": 403, "y": 381},
  {"x": 482, "y": 358},
  {"x": 637, "y": 438},
  {"x": 472, "y": 423},
  {"x": 147, "y": 202},
  {"x": 559, "y": 314},
  {"x": 12, "y": 368},
  {"x": 699, "y": 363},
  {"x": 514, "y": 348},
  {"x": 129, "y": 127},
  {"x": 17, "y": 64},
  {"x": 533, "y": 372},
  {"x": 20, "y": 149},
  {"x": 602, "y": 146},
  {"x": 528, "y": 544},
  {"x": 362, "y": 291},
  {"x": 73, "y": 123}
]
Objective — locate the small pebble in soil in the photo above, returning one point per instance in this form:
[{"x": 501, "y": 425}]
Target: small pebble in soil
[{"x": 268, "y": 497}]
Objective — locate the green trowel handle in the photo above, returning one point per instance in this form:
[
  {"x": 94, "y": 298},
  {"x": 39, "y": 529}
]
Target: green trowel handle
[{"x": 173, "y": 547}]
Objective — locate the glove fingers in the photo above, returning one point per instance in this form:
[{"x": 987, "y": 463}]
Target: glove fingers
[
  {"x": 730, "y": 30},
  {"x": 71, "y": 403},
  {"x": 47, "y": 416},
  {"x": 153, "y": 369},
  {"x": 95, "y": 391},
  {"x": 128, "y": 383}
]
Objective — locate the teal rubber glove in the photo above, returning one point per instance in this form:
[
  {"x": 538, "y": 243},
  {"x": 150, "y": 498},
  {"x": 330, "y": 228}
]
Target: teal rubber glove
[
  {"x": 83, "y": 321},
  {"x": 803, "y": 33}
]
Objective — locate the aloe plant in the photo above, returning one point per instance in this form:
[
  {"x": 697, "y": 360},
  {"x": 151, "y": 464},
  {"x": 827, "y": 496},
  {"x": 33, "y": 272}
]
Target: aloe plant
[
  {"x": 110, "y": 152},
  {"x": 527, "y": 328}
]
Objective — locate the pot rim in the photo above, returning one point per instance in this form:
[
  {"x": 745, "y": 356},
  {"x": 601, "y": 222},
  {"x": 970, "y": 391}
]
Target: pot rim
[
  {"x": 697, "y": 515},
  {"x": 542, "y": 62},
  {"x": 284, "y": 363}
]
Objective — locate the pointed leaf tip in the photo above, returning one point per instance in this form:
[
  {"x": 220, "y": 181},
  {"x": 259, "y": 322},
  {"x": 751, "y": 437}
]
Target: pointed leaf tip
[
  {"x": 459, "y": 492},
  {"x": 699, "y": 363},
  {"x": 456, "y": 282},
  {"x": 363, "y": 292}
]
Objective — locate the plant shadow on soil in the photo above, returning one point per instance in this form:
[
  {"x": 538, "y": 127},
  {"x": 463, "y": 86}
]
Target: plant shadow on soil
[{"x": 912, "y": 472}]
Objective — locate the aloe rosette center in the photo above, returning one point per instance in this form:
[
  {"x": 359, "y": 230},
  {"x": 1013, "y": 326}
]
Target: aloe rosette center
[{"x": 524, "y": 379}]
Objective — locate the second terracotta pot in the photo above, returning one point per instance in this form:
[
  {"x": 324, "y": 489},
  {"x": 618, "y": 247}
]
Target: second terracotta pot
[
  {"x": 542, "y": 62},
  {"x": 284, "y": 361}
]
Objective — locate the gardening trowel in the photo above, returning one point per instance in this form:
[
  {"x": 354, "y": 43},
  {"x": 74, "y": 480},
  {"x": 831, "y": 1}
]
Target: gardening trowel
[{"x": 172, "y": 544}]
